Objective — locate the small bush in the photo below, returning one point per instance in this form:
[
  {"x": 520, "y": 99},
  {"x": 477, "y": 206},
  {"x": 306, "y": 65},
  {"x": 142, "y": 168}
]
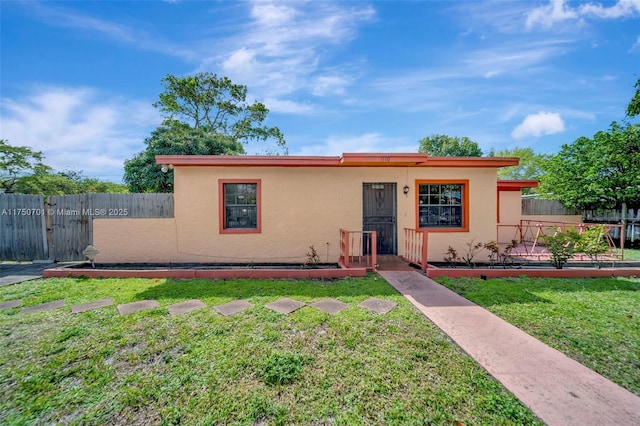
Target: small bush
[
  {"x": 451, "y": 257},
  {"x": 593, "y": 243},
  {"x": 313, "y": 259},
  {"x": 562, "y": 246},
  {"x": 471, "y": 250},
  {"x": 494, "y": 251}
]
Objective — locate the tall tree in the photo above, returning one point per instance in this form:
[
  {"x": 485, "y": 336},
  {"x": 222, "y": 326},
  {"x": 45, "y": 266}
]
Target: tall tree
[
  {"x": 598, "y": 172},
  {"x": 16, "y": 162},
  {"x": 217, "y": 105},
  {"x": 633, "y": 109},
  {"x": 46, "y": 181},
  {"x": 449, "y": 146},
  {"x": 142, "y": 174},
  {"x": 531, "y": 164},
  {"x": 22, "y": 171},
  {"x": 203, "y": 115}
]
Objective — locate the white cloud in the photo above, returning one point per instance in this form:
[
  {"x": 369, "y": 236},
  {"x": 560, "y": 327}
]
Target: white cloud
[
  {"x": 560, "y": 10},
  {"x": 367, "y": 142},
  {"x": 622, "y": 9},
  {"x": 513, "y": 57},
  {"x": 272, "y": 15},
  {"x": 78, "y": 128},
  {"x": 546, "y": 16},
  {"x": 540, "y": 124},
  {"x": 242, "y": 62},
  {"x": 281, "y": 49},
  {"x": 61, "y": 17},
  {"x": 289, "y": 106},
  {"x": 325, "y": 85}
]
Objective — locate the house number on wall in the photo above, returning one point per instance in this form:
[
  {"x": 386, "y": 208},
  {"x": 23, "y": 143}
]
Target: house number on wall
[{"x": 385, "y": 159}]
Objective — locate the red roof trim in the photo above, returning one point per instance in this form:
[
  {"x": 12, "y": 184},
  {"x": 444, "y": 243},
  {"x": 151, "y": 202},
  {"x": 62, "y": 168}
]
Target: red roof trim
[
  {"x": 345, "y": 160},
  {"x": 247, "y": 160},
  {"x": 516, "y": 185},
  {"x": 383, "y": 159}
]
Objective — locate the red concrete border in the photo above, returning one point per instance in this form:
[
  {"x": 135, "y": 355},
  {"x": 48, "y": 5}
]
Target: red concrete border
[
  {"x": 534, "y": 273},
  {"x": 206, "y": 273}
]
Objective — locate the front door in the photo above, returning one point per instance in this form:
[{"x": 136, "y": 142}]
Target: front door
[{"x": 379, "y": 214}]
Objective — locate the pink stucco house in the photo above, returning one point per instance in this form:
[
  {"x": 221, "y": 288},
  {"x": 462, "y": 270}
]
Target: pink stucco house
[{"x": 268, "y": 209}]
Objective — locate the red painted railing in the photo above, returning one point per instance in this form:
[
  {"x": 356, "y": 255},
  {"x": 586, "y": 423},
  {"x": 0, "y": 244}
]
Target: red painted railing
[
  {"x": 358, "y": 249},
  {"x": 530, "y": 235},
  {"x": 415, "y": 247}
]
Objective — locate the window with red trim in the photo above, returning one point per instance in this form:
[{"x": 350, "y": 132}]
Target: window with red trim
[
  {"x": 239, "y": 206},
  {"x": 442, "y": 205}
]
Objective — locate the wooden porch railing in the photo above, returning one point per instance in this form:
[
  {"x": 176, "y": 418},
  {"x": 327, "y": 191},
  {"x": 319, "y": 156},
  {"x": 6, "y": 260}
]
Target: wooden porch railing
[
  {"x": 415, "y": 247},
  {"x": 358, "y": 249}
]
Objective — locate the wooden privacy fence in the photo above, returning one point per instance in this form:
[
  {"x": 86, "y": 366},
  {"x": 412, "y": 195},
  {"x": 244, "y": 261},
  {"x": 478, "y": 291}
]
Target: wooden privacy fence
[
  {"x": 60, "y": 227},
  {"x": 538, "y": 206}
]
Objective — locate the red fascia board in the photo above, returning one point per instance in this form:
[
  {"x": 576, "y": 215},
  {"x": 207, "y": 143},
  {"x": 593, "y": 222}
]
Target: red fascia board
[
  {"x": 485, "y": 162},
  {"x": 346, "y": 160},
  {"x": 247, "y": 160},
  {"x": 383, "y": 159},
  {"x": 516, "y": 185}
]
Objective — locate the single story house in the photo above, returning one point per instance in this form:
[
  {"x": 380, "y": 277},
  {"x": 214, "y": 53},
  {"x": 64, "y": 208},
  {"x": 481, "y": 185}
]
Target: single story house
[{"x": 272, "y": 209}]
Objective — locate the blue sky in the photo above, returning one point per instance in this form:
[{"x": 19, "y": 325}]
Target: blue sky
[{"x": 78, "y": 78}]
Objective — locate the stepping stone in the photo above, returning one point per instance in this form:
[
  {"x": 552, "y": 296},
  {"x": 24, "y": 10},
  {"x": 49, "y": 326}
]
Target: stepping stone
[
  {"x": 129, "y": 308},
  {"x": 10, "y": 304},
  {"x": 84, "y": 307},
  {"x": 43, "y": 307},
  {"x": 378, "y": 306},
  {"x": 233, "y": 307},
  {"x": 285, "y": 305},
  {"x": 184, "y": 307},
  {"x": 329, "y": 306}
]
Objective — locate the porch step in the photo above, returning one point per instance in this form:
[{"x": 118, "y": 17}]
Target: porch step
[{"x": 393, "y": 263}]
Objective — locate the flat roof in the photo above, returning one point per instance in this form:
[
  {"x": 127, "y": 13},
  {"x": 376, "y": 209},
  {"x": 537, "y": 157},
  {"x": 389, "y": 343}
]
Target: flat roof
[
  {"x": 344, "y": 160},
  {"x": 516, "y": 185}
]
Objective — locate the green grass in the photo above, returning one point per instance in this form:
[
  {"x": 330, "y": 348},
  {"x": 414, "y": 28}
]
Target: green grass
[
  {"x": 594, "y": 321},
  {"x": 631, "y": 254},
  {"x": 257, "y": 367}
]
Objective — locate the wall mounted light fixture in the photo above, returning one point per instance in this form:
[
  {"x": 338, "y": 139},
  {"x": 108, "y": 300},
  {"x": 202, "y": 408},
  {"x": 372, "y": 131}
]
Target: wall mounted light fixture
[
  {"x": 166, "y": 167},
  {"x": 405, "y": 190}
]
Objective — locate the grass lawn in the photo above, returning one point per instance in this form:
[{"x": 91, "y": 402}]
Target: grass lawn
[
  {"x": 256, "y": 367},
  {"x": 594, "y": 321},
  {"x": 631, "y": 254}
]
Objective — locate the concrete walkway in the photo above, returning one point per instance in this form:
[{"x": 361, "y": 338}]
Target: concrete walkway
[
  {"x": 557, "y": 389},
  {"x": 14, "y": 273}
]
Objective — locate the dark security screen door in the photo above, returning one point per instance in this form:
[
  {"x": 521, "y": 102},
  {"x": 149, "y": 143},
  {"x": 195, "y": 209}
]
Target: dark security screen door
[{"x": 379, "y": 214}]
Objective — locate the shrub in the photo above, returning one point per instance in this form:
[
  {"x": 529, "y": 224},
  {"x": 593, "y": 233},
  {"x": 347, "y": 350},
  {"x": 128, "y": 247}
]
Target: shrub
[
  {"x": 593, "y": 243},
  {"x": 494, "y": 251},
  {"x": 561, "y": 246},
  {"x": 313, "y": 259},
  {"x": 451, "y": 256},
  {"x": 505, "y": 256},
  {"x": 471, "y": 251}
]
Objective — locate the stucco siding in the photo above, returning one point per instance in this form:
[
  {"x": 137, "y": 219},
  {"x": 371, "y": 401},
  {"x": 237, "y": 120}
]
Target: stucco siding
[
  {"x": 135, "y": 240},
  {"x": 300, "y": 207},
  {"x": 510, "y": 207},
  {"x": 308, "y": 206}
]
